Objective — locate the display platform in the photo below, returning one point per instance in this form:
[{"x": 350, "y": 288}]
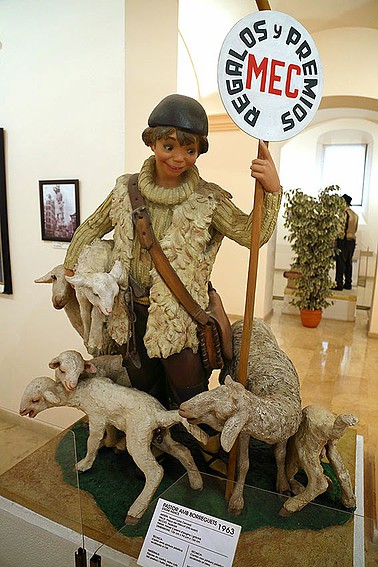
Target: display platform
[
  {"x": 343, "y": 308},
  {"x": 37, "y": 484}
]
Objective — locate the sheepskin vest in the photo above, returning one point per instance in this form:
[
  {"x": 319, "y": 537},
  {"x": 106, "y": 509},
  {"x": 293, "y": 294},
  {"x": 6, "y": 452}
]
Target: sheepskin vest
[{"x": 190, "y": 247}]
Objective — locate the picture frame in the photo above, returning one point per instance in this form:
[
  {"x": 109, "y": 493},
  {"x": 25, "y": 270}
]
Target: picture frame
[
  {"x": 5, "y": 264},
  {"x": 59, "y": 206}
]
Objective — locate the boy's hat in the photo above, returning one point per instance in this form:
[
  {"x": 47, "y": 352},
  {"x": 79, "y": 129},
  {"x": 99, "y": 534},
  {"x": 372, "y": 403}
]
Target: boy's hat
[{"x": 181, "y": 112}]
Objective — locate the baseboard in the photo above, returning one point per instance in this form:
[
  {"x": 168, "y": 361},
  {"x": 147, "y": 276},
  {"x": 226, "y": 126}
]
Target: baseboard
[
  {"x": 372, "y": 335},
  {"x": 31, "y": 424}
]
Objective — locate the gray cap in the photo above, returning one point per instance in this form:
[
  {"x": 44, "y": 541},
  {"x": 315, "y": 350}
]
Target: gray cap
[{"x": 181, "y": 112}]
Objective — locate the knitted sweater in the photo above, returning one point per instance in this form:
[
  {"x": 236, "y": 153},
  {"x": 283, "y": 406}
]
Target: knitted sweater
[
  {"x": 190, "y": 222},
  {"x": 227, "y": 219}
]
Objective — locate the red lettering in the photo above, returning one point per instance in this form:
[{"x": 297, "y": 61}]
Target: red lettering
[
  {"x": 252, "y": 67},
  {"x": 275, "y": 78},
  {"x": 290, "y": 71}
]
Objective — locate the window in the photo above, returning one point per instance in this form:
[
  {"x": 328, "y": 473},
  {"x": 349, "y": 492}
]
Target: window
[{"x": 344, "y": 165}]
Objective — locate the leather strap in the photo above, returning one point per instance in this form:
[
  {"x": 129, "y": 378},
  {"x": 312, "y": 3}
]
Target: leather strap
[{"x": 149, "y": 242}]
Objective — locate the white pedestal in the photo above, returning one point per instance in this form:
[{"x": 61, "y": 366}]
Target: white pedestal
[{"x": 343, "y": 309}]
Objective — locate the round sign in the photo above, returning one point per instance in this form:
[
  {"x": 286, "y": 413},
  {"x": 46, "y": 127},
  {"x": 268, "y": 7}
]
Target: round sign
[{"x": 270, "y": 76}]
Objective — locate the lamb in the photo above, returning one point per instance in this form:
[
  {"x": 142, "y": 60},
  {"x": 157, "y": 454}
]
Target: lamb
[
  {"x": 318, "y": 432},
  {"x": 135, "y": 413},
  {"x": 63, "y": 296},
  {"x": 268, "y": 409},
  {"x": 70, "y": 365},
  {"x": 96, "y": 285}
]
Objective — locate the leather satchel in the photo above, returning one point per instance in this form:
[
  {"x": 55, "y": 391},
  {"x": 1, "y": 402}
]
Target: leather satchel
[{"x": 213, "y": 326}]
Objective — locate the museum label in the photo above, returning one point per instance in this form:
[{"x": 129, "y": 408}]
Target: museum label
[{"x": 181, "y": 537}]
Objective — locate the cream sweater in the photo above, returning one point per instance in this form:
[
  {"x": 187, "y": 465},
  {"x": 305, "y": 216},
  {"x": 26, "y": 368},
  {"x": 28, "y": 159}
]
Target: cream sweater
[{"x": 227, "y": 219}]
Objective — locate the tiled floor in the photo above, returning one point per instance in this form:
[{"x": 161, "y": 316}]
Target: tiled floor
[
  {"x": 19, "y": 437},
  {"x": 337, "y": 365}
]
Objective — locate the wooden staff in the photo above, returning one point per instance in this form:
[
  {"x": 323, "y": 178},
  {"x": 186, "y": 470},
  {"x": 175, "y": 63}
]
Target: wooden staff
[{"x": 250, "y": 297}]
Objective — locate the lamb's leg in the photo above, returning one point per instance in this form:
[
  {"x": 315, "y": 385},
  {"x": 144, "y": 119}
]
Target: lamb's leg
[
  {"x": 141, "y": 453},
  {"x": 292, "y": 467},
  {"x": 111, "y": 438},
  {"x": 317, "y": 484},
  {"x": 347, "y": 496},
  {"x": 236, "y": 502},
  {"x": 282, "y": 485},
  {"x": 291, "y": 470},
  {"x": 85, "y": 313},
  {"x": 95, "y": 334},
  {"x": 96, "y": 434},
  {"x": 183, "y": 454}
]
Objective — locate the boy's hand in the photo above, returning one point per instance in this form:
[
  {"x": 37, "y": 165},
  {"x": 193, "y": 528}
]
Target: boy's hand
[{"x": 264, "y": 170}]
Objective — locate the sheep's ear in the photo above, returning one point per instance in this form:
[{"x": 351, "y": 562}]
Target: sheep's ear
[
  {"x": 230, "y": 383},
  {"x": 51, "y": 397},
  {"x": 44, "y": 279},
  {"x": 116, "y": 271},
  {"x": 77, "y": 281},
  {"x": 54, "y": 363},
  {"x": 89, "y": 367},
  {"x": 232, "y": 428}
]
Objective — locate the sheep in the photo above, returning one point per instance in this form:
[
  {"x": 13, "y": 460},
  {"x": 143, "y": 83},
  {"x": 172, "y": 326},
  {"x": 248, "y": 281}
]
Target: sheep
[
  {"x": 96, "y": 285},
  {"x": 268, "y": 409},
  {"x": 318, "y": 432},
  {"x": 70, "y": 365},
  {"x": 135, "y": 413},
  {"x": 63, "y": 296}
]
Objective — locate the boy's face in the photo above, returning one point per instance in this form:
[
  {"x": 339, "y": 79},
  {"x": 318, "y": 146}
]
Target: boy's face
[{"x": 172, "y": 160}]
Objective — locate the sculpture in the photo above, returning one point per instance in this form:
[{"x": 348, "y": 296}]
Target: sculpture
[
  {"x": 318, "y": 433},
  {"x": 135, "y": 413}
]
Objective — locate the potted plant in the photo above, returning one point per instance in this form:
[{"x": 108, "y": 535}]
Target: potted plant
[{"x": 314, "y": 225}]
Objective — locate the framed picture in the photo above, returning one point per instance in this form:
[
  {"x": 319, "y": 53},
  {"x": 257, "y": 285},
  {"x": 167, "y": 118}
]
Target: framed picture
[
  {"x": 5, "y": 266},
  {"x": 59, "y": 202}
]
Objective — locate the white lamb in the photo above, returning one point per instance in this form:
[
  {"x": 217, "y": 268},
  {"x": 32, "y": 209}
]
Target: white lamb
[
  {"x": 70, "y": 365},
  {"x": 135, "y": 413},
  {"x": 96, "y": 285},
  {"x": 63, "y": 296},
  {"x": 318, "y": 434}
]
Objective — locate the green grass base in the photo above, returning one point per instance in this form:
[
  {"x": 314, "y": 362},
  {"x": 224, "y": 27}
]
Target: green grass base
[{"x": 114, "y": 485}]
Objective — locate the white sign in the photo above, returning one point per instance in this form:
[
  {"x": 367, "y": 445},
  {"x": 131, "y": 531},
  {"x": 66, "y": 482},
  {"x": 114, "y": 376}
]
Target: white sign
[
  {"x": 181, "y": 537},
  {"x": 270, "y": 76}
]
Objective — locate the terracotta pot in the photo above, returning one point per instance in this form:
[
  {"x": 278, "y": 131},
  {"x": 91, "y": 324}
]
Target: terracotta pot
[{"x": 311, "y": 317}]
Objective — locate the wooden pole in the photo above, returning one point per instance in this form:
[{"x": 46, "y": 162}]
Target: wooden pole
[
  {"x": 263, "y": 5},
  {"x": 250, "y": 298},
  {"x": 248, "y": 315}
]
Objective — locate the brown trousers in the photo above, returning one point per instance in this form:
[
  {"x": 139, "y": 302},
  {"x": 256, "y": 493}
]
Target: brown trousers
[{"x": 180, "y": 376}]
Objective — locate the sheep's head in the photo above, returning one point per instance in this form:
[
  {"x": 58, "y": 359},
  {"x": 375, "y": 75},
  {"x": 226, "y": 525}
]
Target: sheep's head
[
  {"x": 62, "y": 292},
  {"x": 68, "y": 366},
  {"x": 100, "y": 289},
  {"x": 222, "y": 408},
  {"x": 38, "y": 395},
  {"x": 212, "y": 407}
]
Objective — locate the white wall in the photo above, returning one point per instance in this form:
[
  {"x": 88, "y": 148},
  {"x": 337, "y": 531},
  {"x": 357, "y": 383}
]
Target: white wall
[
  {"x": 227, "y": 163},
  {"x": 151, "y": 68},
  {"x": 62, "y": 107}
]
